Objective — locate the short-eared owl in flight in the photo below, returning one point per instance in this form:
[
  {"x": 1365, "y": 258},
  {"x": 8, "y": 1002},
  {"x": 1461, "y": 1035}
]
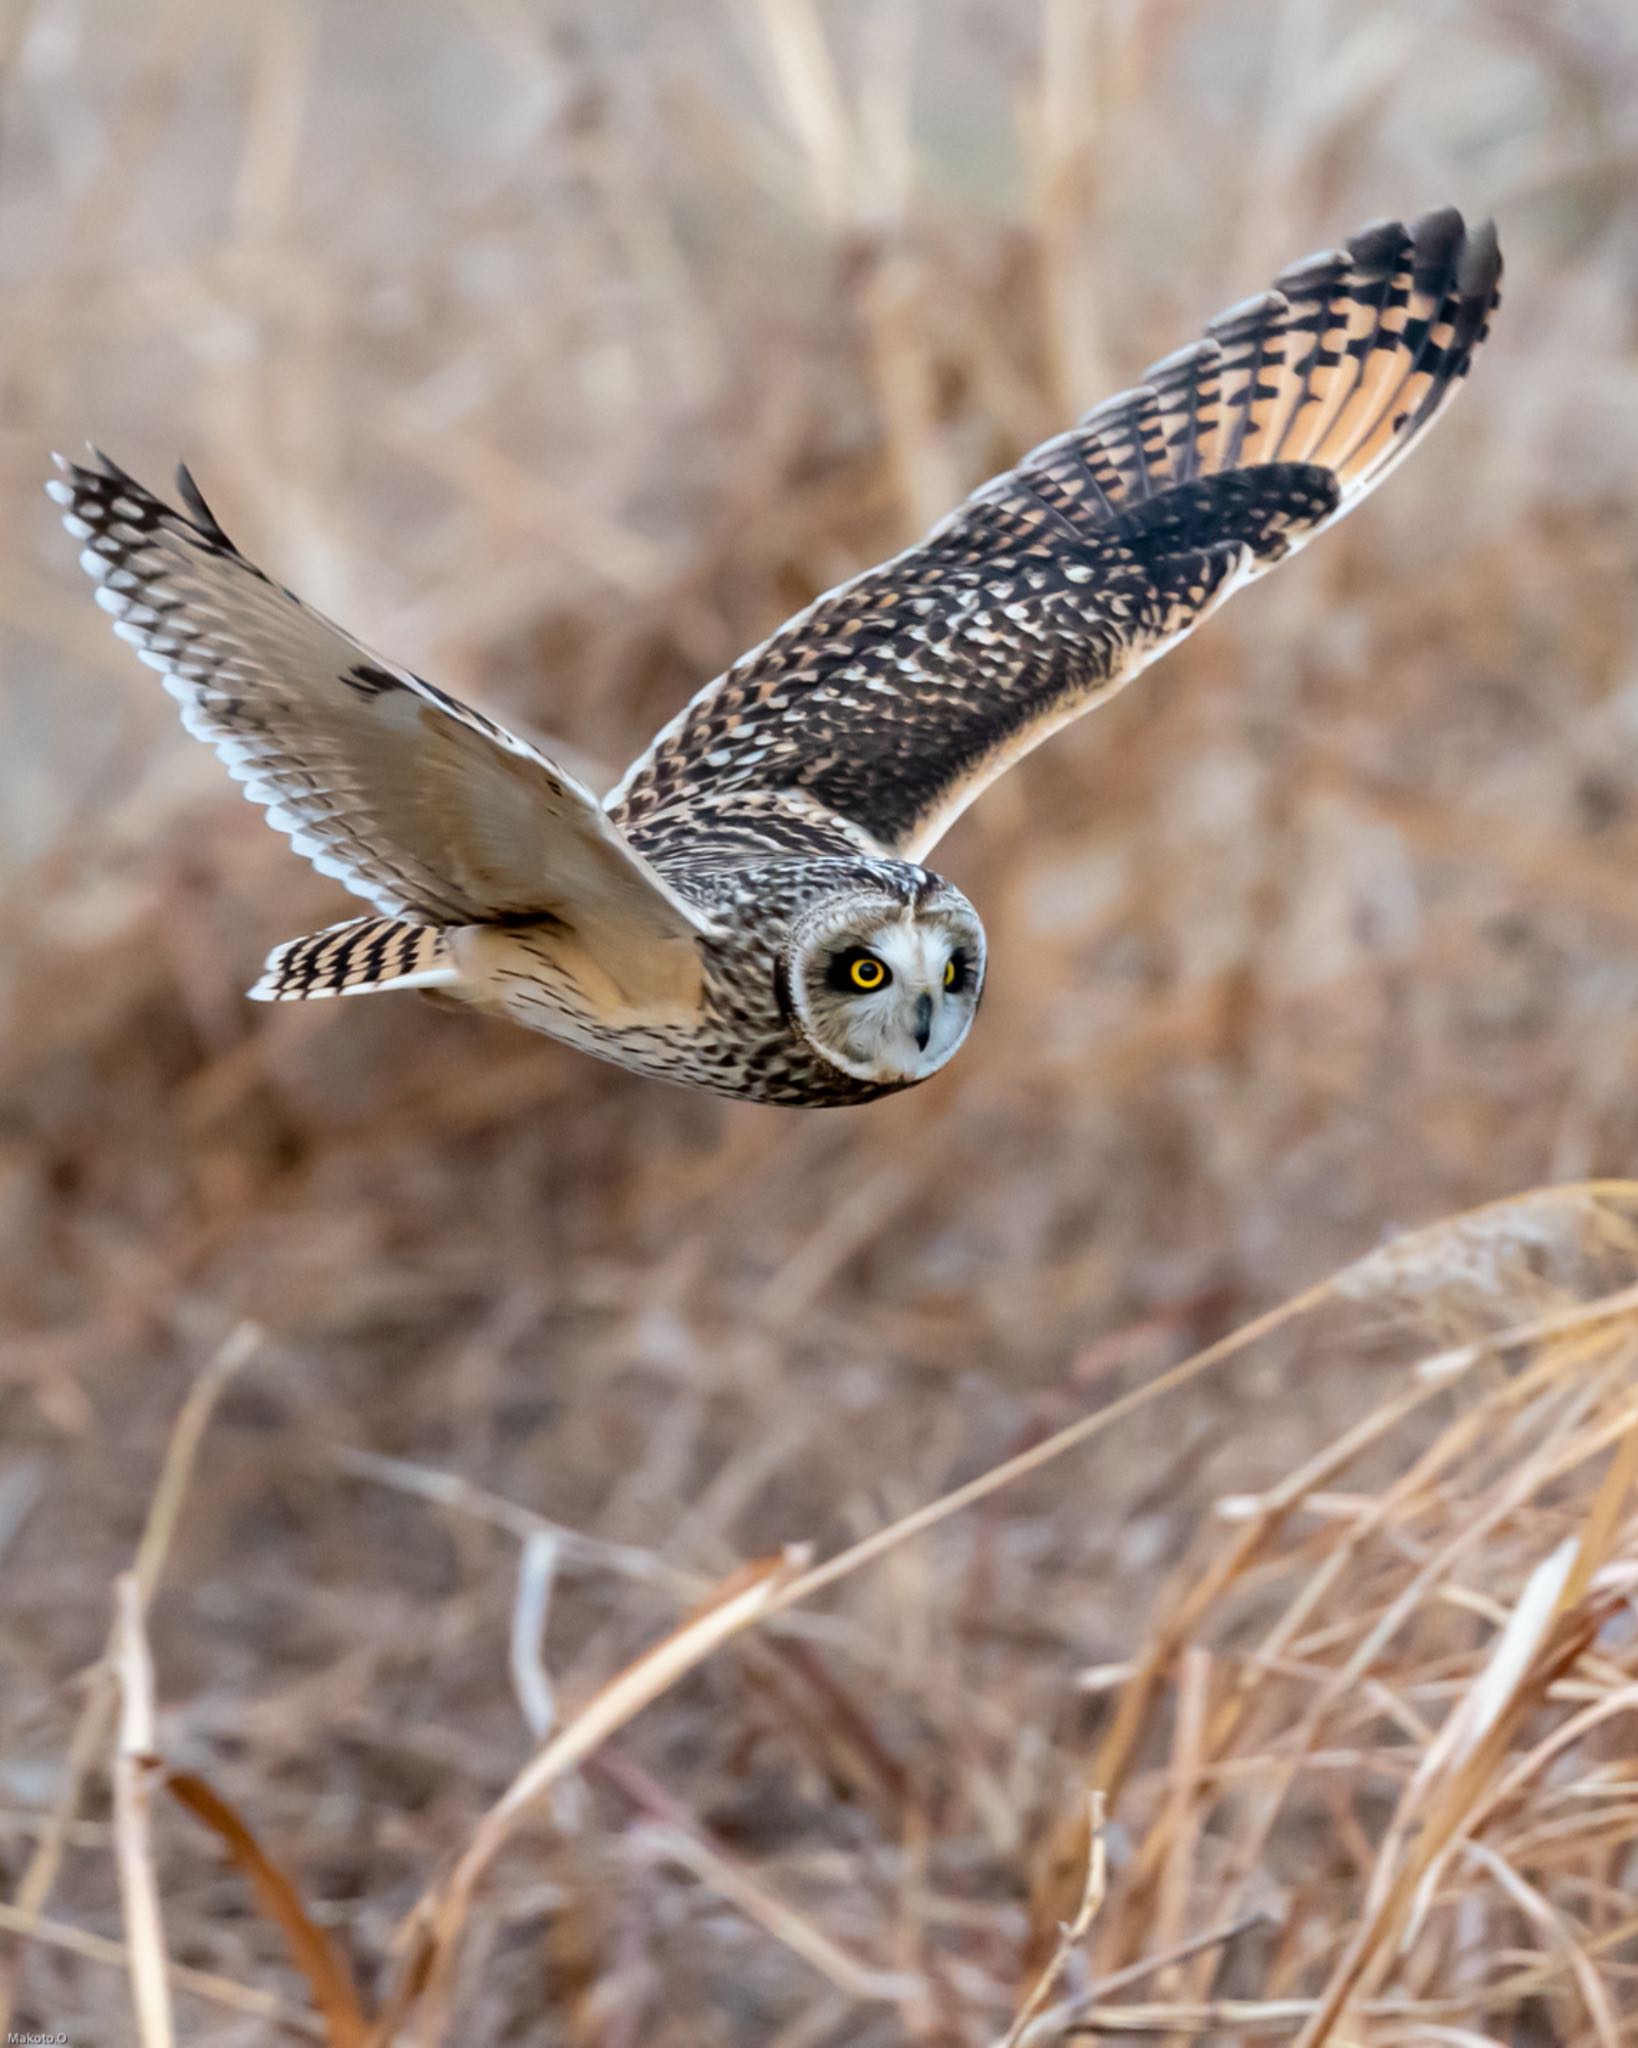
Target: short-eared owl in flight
[{"x": 748, "y": 910}]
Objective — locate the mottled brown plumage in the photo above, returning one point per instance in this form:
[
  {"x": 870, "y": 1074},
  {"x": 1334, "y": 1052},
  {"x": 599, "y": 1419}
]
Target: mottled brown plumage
[
  {"x": 707, "y": 923},
  {"x": 896, "y": 698}
]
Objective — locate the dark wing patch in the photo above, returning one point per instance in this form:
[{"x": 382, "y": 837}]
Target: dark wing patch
[{"x": 894, "y": 699}]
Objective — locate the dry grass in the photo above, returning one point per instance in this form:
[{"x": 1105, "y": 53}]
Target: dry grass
[{"x": 563, "y": 351}]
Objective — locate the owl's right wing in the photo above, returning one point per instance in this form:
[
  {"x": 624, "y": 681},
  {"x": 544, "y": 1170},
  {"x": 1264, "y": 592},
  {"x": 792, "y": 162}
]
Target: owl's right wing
[
  {"x": 895, "y": 699},
  {"x": 419, "y": 804}
]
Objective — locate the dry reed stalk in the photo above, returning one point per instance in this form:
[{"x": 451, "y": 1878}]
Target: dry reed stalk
[
  {"x": 537, "y": 1573},
  {"x": 135, "y": 1772},
  {"x": 92, "y": 1730},
  {"x": 810, "y": 97},
  {"x": 1070, "y": 1935},
  {"x": 576, "y": 1548},
  {"x": 315, "y": 1955},
  {"x": 417, "y": 2007},
  {"x": 1474, "y": 1744},
  {"x": 1543, "y": 1637},
  {"x": 689, "y": 1850},
  {"x": 1418, "y": 1244},
  {"x": 207, "y": 1985},
  {"x": 1581, "y": 1390}
]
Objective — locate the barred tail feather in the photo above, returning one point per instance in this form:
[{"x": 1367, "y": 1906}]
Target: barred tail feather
[{"x": 358, "y": 958}]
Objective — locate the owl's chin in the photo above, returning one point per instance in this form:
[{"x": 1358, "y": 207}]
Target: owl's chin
[{"x": 887, "y": 1071}]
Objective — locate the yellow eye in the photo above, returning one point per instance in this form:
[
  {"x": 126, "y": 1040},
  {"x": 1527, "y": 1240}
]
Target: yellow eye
[
  {"x": 949, "y": 974},
  {"x": 867, "y": 972}
]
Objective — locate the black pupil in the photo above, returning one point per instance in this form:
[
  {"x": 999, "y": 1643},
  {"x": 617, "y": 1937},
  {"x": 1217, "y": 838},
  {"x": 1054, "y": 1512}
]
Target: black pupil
[{"x": 955, "y": 973}]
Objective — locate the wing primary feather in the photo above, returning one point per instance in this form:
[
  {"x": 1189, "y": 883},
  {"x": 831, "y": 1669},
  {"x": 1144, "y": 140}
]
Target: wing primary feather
[
  {"x": 199, "y": 512},
  {"x": 1243, "y": 334},
  {"x": 1184, "y": 389}
]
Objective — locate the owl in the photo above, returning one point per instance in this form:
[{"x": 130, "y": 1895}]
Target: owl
[{"x": 749, "y": 911}]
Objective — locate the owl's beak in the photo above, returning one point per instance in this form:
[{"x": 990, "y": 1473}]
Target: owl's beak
[{"x": 924, "y": 1022}]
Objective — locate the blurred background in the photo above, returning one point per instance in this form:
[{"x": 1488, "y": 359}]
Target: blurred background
[{"x": 561, "y": 350}]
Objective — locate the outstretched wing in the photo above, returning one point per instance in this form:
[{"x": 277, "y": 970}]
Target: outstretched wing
[
  {"x": 897, "y": 697},
  {"x": 422, "y": 806}
]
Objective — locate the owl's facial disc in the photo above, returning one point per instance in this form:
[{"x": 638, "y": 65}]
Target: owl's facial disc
[{"x": 887, "y": 990}]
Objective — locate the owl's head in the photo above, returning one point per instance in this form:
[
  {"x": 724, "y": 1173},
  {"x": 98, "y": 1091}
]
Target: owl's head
[{"x": 884, "y": 983}]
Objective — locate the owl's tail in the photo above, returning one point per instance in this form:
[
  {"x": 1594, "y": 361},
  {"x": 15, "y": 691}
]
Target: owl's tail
[{"x": 358, "y": 958}]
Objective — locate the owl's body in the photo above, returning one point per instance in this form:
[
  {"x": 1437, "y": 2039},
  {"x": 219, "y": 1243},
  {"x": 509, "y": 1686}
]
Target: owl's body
[
  {"x": 747, "y": 912},
  {"x": 724, "y": 1024},
  {"x": 712, "y": 1013}
]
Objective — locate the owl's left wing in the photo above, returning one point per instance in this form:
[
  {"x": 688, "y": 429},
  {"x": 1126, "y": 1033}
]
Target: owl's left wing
[
  {"x": 896, "y": 698},
  {"x": 421, "y": 805}
]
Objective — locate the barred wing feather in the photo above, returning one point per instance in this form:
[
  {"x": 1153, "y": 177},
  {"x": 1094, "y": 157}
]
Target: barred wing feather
[
  {"x": 424, "y": 807},
  {"x": 895, "y": 699}
]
